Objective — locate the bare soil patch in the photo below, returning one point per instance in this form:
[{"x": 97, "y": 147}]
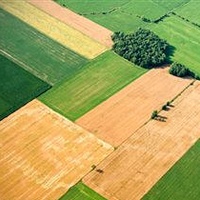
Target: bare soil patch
[
  {"x": 130, "y": 171},
  {"x": 120, "y": 116},
  {"x": 43, "y": 154}
]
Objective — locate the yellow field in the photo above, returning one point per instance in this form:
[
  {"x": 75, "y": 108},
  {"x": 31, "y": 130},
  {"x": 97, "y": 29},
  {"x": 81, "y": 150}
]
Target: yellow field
[
  {"x": 53, "y": 28},
  {"x": 43, "y": 154}
]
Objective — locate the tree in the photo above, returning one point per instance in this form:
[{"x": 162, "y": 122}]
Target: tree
[
  {"x": 144, "y": 48},
  {"x": 179, "y": 70},
  {"x": 154, "y": 114}
]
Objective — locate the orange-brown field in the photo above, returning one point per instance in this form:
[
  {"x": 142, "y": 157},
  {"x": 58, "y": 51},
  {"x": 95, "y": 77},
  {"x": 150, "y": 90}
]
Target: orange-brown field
[
  {"x": 84, "y": 25},
  {"x": 130, "y": 171},
  {"x": 121, "y": 115},
  {"x": 43, "y": 154}
]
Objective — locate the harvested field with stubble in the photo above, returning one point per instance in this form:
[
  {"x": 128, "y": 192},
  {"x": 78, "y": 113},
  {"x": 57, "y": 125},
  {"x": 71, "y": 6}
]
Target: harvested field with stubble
[
  {"x": 53, "y": 28},
  {"x": 131, "y": 171},
  {"x": 82, "y": 24},
  {"x": 38, "y": 151},
  {"x": 120, "y": 116}
]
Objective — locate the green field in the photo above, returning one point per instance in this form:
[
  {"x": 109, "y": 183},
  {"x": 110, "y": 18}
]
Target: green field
[
  {"x": 17, "y": 87},
  {"x": 122, "y": 15},
  {"x": 96, "y": 82},
  {"x": 38, "y": 54},
  {"x": 182, "y": 181},
  {"x": 171, "y": 5},
  {"x": 184, "y": 37},
  {"x": 190, "y": 11},
  {"x": 81, "y": 192}
]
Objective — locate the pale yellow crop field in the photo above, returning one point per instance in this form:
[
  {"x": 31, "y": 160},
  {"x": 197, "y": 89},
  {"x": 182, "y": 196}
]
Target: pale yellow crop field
[
  {"x": 53, "y": 28},
  {"x": 43, "y": 154}
]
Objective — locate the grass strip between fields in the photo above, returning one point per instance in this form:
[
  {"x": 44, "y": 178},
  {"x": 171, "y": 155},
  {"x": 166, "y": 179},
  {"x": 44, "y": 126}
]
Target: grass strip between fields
[
  {"x": 96, "y": 82},
  {"x": 182, "y": 181}
]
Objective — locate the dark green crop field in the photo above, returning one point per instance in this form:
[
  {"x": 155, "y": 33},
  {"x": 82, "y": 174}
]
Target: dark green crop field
[
  {"x": 96, "y": 82},
  {"x": 17, "y": 87},
  {"x": 182, "y": 181},
  {"x": 35, "y": 52},
  {"x": 81, "y": 192}
]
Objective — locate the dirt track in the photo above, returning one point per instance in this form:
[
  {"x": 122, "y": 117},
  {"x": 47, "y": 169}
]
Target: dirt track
[
  {"x": 82, "y": 24},
  {"x": 121, "y": 115},
  {"x": 150, "y": 152},
  {"x": 43, "y": 154}
]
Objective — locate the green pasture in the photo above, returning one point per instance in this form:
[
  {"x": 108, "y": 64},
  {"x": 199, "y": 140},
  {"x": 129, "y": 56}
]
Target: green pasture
[
  {"x": 95, "y": 83},
  {"x": 35, "y": 52},
  {"x": 121, "y": 15},
  {"x": 171, "y": 5},
  {"x": 17, "y": 87},
  {"x": 184, "y": 37},
  {"x": 81, "y": 192},
  {"x": 190, "y": 11},
  {"x": 182, "y": 181}
]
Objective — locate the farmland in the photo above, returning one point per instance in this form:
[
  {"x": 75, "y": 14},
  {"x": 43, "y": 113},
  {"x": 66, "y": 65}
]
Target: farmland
[
  {"x": 190, "y": 11},
  {"x": 122, "y": 15},
  {"x": 81, "y": 192},
  {"x": 53, "y": 28},
  {"x": 185, "y": 40},
  {"x": 185, "y": 171},
  {"x": 35, "y": 52},
  {"x": 121, "y": 115},
  {"x": 38, "y": 151},
  {"x": 17, "y": 87},
  {"x": 131, "y": 170},
  {"x": 97, "y": 81},
  {"x": 82, "y": 24}
]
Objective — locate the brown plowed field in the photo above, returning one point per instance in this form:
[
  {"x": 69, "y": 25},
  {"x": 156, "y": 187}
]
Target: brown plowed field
[
  {"x": 121, "y": 115},
  {"x": 87, "y": 27},
  {"x": 130, "y": 171},
  {"x": 43, "y": 154}
]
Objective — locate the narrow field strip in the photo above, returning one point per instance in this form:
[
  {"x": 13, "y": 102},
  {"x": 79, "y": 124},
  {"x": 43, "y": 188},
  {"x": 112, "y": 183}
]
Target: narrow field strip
[
  {"x": 45, "y": 153},
  {"x": 96, "y": 82},
  {"x": 131, "y": 170},
  {"x": 17, "y": 86},
  {"x": 82, "y": 24},
  {"x": 53, "y": 28},
  {"x": 181, "y": 181},
  {"x": 122, "y": 114},
  {"x": 36, "y": 53}
]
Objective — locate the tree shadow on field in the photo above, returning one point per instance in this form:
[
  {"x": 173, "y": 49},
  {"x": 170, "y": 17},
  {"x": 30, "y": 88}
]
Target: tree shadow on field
[
  {"x": 170, "y": 53},
  {"x": 161, "y": 118}
]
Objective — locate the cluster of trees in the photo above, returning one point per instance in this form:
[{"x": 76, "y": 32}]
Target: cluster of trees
[
  {"x": 181, "y": 70},
  {"x": 143, "y": 47}
]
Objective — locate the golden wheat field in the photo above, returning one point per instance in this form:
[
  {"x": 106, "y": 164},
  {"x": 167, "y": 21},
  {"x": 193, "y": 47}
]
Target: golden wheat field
[
  {"x": 43, "y": 154},
  {"x": 54, "y": 28},
  {"x": 151, "y": 151}
]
